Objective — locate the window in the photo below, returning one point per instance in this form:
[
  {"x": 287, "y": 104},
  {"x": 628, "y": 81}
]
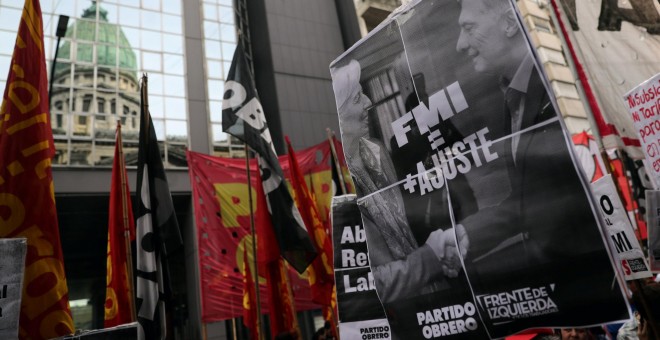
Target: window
[
  {"x": 87, "y": 101},
  {"x": 101, "y": 105},
  {"x": 82, "y": 120}
]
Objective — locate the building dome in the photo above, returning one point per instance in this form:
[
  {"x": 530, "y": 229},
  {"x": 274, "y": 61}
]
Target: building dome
[{"x": 112, "y": 48}]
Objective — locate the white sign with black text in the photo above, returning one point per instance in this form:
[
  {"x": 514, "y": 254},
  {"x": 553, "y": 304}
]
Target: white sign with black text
[{"x": 627, "y": 251}]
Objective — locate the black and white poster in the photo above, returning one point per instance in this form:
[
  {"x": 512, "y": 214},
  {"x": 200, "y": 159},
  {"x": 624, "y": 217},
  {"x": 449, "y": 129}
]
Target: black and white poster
[
  {"x": 361, "y": 315},
  {"x": 12, "y": 267},
  {"x": 478, "y": 221}
]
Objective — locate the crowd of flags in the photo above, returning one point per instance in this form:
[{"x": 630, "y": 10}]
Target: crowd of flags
[{"x": 142, "y": 294}]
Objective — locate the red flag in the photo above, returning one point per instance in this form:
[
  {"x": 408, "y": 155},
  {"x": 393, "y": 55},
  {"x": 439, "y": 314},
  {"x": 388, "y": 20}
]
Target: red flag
[
  {"x": 281, "y": 308},
  {"x": 27, "y": 196},
  {"x": 250, "y": 315},
  {"x": 119, "y": 307},
  {"x": 320, "y": 273}
]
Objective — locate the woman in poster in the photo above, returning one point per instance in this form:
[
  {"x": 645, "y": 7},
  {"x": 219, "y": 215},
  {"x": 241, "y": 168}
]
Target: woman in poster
[{"x": 401, "y": 267}]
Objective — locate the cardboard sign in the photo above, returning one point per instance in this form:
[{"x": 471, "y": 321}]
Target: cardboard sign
[{"x": 643, "y": 103}]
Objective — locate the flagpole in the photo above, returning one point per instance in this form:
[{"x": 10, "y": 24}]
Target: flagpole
[
  {"x": 127, "y": 232},
  {"x": 254, "y": 241},
  {"x": 340, "y": 174}
]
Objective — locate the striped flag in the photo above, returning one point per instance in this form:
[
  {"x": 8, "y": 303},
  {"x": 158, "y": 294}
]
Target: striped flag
[
  {"x": 157, "y": 233},
  {"x": 27, "y": 197},
  {"x": 243, "y": 117}
]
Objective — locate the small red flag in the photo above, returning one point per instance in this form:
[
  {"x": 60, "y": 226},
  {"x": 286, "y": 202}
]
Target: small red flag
[
  {"x": 119, "y": 307},
  {"x": 320, "y": 273},
  {"x": 27, "y": 197},
  {"x": 281, "y": 305},
  {"x": 250, "y": 315}
]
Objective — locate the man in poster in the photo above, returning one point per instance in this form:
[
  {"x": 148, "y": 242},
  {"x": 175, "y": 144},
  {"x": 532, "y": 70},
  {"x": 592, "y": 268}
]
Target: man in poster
[{"x": 530, "y": 255}]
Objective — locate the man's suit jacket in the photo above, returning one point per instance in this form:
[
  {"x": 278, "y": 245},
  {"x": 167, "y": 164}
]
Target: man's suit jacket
[{"x": 544, "y": 218}]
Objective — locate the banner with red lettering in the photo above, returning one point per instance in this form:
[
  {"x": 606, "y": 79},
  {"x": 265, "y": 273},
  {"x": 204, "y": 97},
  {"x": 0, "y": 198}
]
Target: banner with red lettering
[
  {"x": 222, "y": 217},
  {"x": 27, "y": 198},
  {"x": 643, "y": 103}
]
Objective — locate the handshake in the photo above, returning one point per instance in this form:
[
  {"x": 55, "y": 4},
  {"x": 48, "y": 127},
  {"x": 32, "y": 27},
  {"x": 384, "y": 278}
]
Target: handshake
[{"x": 443, "y": 243}]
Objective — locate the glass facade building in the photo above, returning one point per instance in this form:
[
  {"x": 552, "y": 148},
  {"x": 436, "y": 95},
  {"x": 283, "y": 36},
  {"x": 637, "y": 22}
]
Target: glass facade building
[{"x": 185, "y": 47}]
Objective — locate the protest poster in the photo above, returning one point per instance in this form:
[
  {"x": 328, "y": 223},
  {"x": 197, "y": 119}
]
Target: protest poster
[
  {"x": 629, "y": 256},
  {"x": 643, "y": 103},
  {"x": 478, "y": 222},
  {"x": 12, "y": 266},
  {"x": 361, "y": 315},
  {"x": 653, "y": 215}
]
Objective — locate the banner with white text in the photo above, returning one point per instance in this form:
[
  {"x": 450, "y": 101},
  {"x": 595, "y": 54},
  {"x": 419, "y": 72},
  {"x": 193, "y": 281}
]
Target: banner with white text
[
  {"x": 478, "y": 222},
  {"x": 361, "y": 315}
]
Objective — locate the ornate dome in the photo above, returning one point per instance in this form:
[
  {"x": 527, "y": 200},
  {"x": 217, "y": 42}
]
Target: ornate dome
[{"x": 111, "y": 44}]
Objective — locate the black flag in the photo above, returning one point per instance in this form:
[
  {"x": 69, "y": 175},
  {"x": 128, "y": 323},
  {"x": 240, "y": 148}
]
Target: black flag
[
  {"x": 157, "y": 231},
  {"x": 243, "y": 117}
]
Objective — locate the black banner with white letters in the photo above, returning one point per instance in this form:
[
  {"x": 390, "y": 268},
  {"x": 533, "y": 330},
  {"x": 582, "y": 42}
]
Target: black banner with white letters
[{"x": 243, "y": 117}]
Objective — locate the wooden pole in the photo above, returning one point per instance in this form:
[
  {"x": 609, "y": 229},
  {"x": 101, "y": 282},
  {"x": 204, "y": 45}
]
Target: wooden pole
[
  {"x": 127, "y": 231},
  {"x": 340, "y": 174},
  {"x": 254, "y": 242}
]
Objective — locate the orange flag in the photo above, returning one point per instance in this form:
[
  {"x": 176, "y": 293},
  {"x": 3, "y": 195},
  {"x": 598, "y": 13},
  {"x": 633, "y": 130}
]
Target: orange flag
[
  {"x": 320, "y": 273},
  {"x": 119, "y": 307},
  {"x": 27, "y": 197},
  {"x": 250, "y": 315}
]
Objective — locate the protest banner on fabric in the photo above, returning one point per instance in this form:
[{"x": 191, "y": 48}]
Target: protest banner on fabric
[
  {"x": 467, "y": 183},
  {"x": 653, "y": 214},
  {"x": 12, "y": 266},
  {"x": 222, "y": 217},
  {"x": 629, "y": 256},
  {"x": 360, "y": 311},
  {"x": 643, "y": 103},
  {"x": 244, "y": 118}
]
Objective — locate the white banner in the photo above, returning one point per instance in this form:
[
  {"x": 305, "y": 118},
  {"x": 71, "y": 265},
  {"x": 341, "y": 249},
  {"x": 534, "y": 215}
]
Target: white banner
[
  {"x": 12, "y": 266},
  {"x": 653, "y": 225},
  {"x": 626, "y": 249},
  {"x": 643, "y": 103}
]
